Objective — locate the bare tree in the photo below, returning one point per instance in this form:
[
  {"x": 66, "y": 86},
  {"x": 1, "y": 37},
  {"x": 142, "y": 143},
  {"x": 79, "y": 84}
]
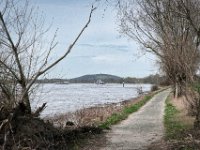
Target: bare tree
[
  {"x": 170, "y": 29},
  {"x": 23, "y": 55},
  {"x": 161, "y": 29}
]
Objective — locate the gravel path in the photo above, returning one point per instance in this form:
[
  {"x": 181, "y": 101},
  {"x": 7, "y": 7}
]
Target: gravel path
[{"x": 141, "y": 128}]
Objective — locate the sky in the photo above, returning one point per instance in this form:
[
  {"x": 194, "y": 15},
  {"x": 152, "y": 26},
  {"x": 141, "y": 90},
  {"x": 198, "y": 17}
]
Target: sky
[{"x": 101, "y": 48}]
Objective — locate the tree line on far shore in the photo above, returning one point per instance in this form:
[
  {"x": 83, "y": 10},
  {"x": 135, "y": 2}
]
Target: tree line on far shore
[{"x": 105, "y": 78}]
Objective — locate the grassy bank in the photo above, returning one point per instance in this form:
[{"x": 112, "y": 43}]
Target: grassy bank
[
  {"x": 179, "y": 131},
  {"x": 102, "y": 115},
  {"x": 117, "y": 117},
  {"x": 173, "y": 123}
]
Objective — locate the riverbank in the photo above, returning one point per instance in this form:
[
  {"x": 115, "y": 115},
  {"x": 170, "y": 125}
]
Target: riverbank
[
  {"x": 101, "y": 115},
  {"x": 99, "y": 141},
  {"x": 44, "y": 134},
  {"x": 98, "y": 118},
  {"x": 92, "y": 116}
]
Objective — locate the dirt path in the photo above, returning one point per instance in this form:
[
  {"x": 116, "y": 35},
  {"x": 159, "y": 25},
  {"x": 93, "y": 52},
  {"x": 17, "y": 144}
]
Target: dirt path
[{"x": 141, "y": 128}]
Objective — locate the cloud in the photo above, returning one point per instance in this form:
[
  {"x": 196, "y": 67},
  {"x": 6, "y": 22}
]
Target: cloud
[
  {"x": 100, "y": 48},
  {"x": 87, "y": 45},
  {"x": 111, "y": 59},
  {"x": 83, "y": 56},
  {"x": 123, "y": 48}
]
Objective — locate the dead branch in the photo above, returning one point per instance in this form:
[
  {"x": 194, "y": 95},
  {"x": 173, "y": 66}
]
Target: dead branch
[
  {"x": 61, "y": 58},
  {"x": 39, "y": 110},
  {"x": 4, "y": 122}
]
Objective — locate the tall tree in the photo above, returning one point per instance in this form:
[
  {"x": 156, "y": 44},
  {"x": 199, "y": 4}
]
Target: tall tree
[{"x": 162, "y": 29}]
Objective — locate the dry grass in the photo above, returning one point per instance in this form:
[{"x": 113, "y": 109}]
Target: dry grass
[
  {"x": 92, "y": 116},
  {"x": 183, "y": 116}
]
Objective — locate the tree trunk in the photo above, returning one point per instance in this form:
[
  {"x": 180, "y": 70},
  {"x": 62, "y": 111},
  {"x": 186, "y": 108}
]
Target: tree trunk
[
  {"x": 176, "y": 90},
  {"x": 197, "y": 122},
  {"x": 27, "y": 103},
  {"x": 26, "y": 100},
  {"x": 197, "y": 118}
]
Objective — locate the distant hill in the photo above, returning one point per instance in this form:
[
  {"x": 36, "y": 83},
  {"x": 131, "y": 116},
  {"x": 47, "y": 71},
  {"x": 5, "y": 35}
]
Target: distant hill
[
  {"x": 106, "y": 78},
  {"x": 95, "y": 77}
]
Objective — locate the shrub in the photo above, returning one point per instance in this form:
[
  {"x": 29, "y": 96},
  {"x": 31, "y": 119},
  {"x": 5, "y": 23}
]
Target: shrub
[{"x": 154, "y": 88}]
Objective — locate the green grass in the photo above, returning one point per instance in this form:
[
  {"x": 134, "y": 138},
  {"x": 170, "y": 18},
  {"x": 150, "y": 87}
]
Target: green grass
[
  {"x": 173, "y": 126},
  {"x": 117, "y": 117}
]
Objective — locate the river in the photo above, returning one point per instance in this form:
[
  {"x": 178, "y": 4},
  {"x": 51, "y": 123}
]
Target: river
[{"x": 63, "y": 98}]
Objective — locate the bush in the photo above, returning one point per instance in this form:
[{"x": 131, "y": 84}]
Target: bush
[
  {"x": 165, "y": 83},
  {"x": 154, "y": 88}
]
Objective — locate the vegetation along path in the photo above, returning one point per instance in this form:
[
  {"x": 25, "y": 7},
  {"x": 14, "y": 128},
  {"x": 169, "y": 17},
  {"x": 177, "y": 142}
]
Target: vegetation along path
[{"x": 141, "y": 128}]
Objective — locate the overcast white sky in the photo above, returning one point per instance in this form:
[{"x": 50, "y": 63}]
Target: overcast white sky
[{"x": 100, "y": 49}]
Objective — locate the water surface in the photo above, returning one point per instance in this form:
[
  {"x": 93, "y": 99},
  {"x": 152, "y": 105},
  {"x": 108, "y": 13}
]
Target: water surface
[{"x": 62, "y": 98}]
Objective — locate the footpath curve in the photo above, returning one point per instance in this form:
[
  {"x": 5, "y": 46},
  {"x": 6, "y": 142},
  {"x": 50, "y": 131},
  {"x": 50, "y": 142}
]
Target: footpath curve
[{"x": 141, "y": 128}]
